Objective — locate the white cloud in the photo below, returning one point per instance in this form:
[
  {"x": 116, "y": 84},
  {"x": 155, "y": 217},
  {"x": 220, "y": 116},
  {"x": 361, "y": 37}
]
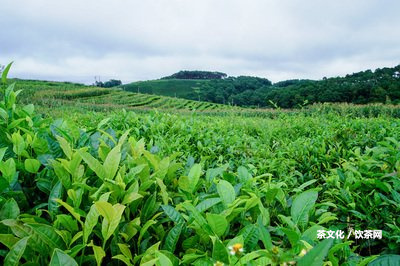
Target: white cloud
[{"x": 131, "y": 40}]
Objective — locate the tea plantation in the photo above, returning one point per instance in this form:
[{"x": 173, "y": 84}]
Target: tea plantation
[{"x": 89, "y": 178}]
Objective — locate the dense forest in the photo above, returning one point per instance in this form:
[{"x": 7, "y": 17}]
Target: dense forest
[{"x": 379, "y": 86}]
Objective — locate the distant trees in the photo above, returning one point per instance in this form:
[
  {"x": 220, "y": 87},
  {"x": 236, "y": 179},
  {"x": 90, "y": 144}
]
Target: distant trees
[
  {"x": 381, "y": 85},
  {"x": 185, "y": 74},
  {"x": 108, "y": 84}
]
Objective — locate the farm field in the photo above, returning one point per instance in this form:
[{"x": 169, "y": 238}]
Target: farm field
[
  {"x": 98, "y": 176},
  {"x": 166, "y": 87},
  {"x": 55, "y": 94}
]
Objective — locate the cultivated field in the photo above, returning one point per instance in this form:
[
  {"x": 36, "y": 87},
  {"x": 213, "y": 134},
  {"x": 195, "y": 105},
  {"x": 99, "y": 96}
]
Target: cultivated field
[{"x": 105, "y": 176}]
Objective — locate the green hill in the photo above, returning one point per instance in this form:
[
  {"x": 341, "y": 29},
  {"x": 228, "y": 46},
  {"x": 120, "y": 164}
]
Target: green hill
[
  {"x": 379, "y": 86},
  {"x": 182, "y": 88}
]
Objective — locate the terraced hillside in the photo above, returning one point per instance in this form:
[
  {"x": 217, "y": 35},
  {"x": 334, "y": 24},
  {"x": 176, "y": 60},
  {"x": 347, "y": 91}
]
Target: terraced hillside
[
  {"x": 61, "y": 93},
  {"x": 166, "y": 87}
]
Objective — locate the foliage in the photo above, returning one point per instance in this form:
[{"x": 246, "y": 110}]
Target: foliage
[
  {"x": 108, "y": 84},
  {"x": 160, "y": 189}
]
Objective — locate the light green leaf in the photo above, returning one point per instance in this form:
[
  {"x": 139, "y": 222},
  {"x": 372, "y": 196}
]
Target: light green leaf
[
  {"x": 162, "y": 259},
  {"x": 90, "y": 222},
  {"x": 316, "y": 256},
  {"x": 32, "y": 165},
  {"x": 93, "y": 164},
  {"x": 112, "y": 216},
  {"x": 122, "y": 258},
  {"x": 8, "y": 169},
  {"x": 2, "y": 153},
  {"x": 70, "y": 209},
  {"x": 99, "y": 253},
  {"x": 9, "y": 210},
  {"x": 60, "y": 258},
  {"x": 125, "y": 250},
  {"x": 65, "y": 146},
  {"x": 219, "y": 252},
  {"x": 189, "y": 183},
  {"x": 5, "y": 73},
  {"x": 62, "y": 174},
  {"x": 217, "y": 222},
  {"x": 226, "y": 192},
  {"x": 56, "y": 193},
  {"x": 8, "y": 240},
  {"x": 302, "y": 206},
  {"x": 16, "y": 252},
  {"x": 112, "y": 162},
  {"x": 292, "y": 235},
  {"x": 207, "y": 203}
]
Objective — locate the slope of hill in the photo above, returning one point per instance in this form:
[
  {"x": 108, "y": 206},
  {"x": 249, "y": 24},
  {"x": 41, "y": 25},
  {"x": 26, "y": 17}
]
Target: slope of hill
[
  {"x": 182, "y": 88},
  {"x": 50, "y": 94},
  {"x": 379, "y": 86}
]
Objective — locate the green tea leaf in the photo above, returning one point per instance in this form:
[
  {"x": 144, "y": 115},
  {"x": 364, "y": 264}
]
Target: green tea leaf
[
  {"x": 48, "y": 235},
  {"x": 173, "y": 214},
  {"x": 90, "y": 222},
  {"x": 56, "y": 193},
  {"x": 217, "y": 222},
  {"x": 16, "y": 252},
  {"x": 201, "y": 221},
  {"x": 162, "y": 259},
  {"x": 9, "y": 210},
  {"x": 317, "y": 254},
  {"x": 62, "y": 174},
  {"x": 111, "y": 163},
  {"x": 8, "y": 240},
  {"x": 386, "y": 260},
  {"x": 71, "y": 210},
  {"x": 99, "y": 253},
  {"x": 207, "y": 203},
  {"x": 60, "y": 258},
  {"x": 219, "y": 252},
  {"x": 172, "y": 237},
  {"x": 5, "y": 73},
  {"x": 189, "y": 183},
  {"x": 125, "y": 250},
  {"x": 8, "y": 169},
  {"x": 292, "y": 235},
  {"x": 93, "y": 164},
  {"x": 226, "y": 192},
  {"x": 265, "y": 236},
  {"x": 65, "y": 146},
  {"x": 32, "y": 165},
  {"x": 302, "y": 206},
  {"x": 112, "y": 215},
  {"x": 2, "y": 153}
]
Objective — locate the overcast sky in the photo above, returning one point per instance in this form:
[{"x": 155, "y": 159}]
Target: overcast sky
[{"x": 75, "y": 40}]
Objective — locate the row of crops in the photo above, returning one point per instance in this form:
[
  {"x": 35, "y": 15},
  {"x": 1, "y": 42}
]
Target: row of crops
[
  {"x": 120, "y": 187},
  {"x": 98, "y": 98}
]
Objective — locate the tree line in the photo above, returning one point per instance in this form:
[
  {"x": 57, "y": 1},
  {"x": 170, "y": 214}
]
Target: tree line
[{"x": 379, "y": 86}]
